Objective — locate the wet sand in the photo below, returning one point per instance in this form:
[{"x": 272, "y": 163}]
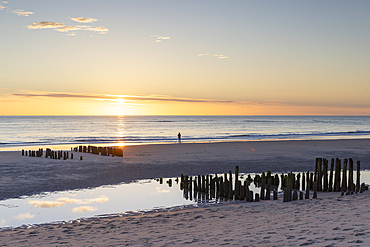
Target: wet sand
[
  {"x": 330, "y": 220},
  {"x": 23, "y": 175}
]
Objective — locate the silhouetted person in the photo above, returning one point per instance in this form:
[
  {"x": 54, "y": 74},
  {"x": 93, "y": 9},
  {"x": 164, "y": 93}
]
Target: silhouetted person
[{"x": 179, "y": 136}]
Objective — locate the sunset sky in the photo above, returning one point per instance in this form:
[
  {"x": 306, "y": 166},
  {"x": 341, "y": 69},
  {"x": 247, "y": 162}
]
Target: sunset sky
[{"x": 184, "y": 57}]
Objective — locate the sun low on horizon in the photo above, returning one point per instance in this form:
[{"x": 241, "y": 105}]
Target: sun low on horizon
[{"x": 184, "y": 58}]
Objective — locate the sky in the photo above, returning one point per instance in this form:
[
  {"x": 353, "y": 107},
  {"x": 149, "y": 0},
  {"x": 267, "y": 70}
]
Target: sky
[{"x": 137, "y": 57}]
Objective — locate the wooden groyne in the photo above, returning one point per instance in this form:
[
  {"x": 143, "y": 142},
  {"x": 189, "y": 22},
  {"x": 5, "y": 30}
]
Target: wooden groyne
[
  {"x": 294, "y": 186},
  {"x": 60, "y": 154}
]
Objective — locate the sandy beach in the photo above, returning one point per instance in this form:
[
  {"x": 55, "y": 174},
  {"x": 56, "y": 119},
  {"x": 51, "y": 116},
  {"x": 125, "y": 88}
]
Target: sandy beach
[
  {"x": 330, "y": 220},
  {"x": 23, "y": 175}
]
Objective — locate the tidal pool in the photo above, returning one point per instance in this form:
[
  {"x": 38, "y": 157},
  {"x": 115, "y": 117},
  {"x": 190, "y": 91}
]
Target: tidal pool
[{"x": 144, "y": 195}]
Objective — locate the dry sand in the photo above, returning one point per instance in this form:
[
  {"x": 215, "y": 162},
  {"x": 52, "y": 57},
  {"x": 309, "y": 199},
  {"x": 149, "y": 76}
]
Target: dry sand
[{"x": 330, "y": 220}]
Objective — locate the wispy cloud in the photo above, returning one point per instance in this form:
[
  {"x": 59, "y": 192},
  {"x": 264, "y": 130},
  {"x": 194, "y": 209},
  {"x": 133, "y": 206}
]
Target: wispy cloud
[
  {"x": 213, "y": 55},
  {"x": 61, "y": 27},
  {"x": 45, "y": 24},
  {"x": 22, "y": 12},
  {"x": 83, "y": 19},
  {"x": 159, "y": 38},
  {"x": 67, "y": 29},
  {"x": 129, "y": 98},
  {"x": 19, "y": 12}
]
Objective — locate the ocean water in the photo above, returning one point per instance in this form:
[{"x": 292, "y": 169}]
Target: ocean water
[{"x": 20, "y": 131}]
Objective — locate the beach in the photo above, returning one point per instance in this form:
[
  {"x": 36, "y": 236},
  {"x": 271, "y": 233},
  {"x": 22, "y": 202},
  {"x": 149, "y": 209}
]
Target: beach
[{"x": 329, "y": 220}]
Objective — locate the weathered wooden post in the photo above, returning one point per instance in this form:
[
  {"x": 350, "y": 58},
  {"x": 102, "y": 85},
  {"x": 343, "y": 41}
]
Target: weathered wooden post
[
  {"x": 256, "y": 198},
  {"x": 307, "y": 195},
  {"x": 319, "y": 174},
  {"x": 314, "y": 190},
  {"x": 80, "y": 149},
  {"x": 81, "y": 158},
  {"x": 22, "y": 152},
  {"x": 358, "y": 177},
  {"x": 303, "y": 182},
  {"x": 311, "y": 180},
  {"x": 325, "y": 164},
  {"x": 301, "y": 195},
  {"x": 337, "y": 175},
  {"x": 344, "y": 176},
  {"x": 71, "y": 156},
  {"x": 350, "y": 176},
  {"x": 274, "y": 195},
  {"x": 250, "y": 196},
  {"x": 268, "y": 188},
  {"x": 237, "y": 191},
  {"x": 298, "y": 182},
  {"x": 330, "y": 187},
  {"x": 262, "y": 194}
]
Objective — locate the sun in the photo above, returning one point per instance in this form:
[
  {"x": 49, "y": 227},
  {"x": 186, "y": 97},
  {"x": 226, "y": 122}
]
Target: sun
[{"x": 120, "y": 101}]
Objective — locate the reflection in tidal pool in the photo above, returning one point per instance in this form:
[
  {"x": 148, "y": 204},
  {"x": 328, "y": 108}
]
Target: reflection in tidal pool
[{"x": 80, "y": 204}]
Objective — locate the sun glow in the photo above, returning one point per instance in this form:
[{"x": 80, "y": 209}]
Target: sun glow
[{"x": 120, "y": 101}]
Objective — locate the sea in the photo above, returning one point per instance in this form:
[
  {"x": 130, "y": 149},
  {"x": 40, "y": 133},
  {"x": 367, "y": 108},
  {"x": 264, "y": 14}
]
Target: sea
[{"x": 17, "y": 132}]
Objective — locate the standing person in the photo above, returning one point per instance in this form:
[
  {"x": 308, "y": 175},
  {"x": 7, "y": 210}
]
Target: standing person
[{"x": 179, "y": 136}]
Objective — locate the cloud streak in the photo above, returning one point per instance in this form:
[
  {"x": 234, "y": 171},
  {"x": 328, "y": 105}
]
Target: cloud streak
[
  {"x": 159, "y": 38},
  {"x": 19, "y": 12},
  {"x": 22, "y": 12},
  {"x": 83, "y": 19},
  {"x": 213, "y": 55},
  {"x": 116, "y": 97},
  {"x": 61, "y": 27}
]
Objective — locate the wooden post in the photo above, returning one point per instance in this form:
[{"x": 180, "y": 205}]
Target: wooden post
[
  {"x": 262, "y": 194},
  {"x": 257, "y": 198},
  {"x": 250, "y": 196},
  {"x": 330, "y": 185},
  {"x": 314, "y": 190},
  {"x": 295, "y": 195},
  {"x": 71, "y": 156},
  {"x": 268, "y": 188},
  {"x": 358, "y": 177},
  {"x": 301, "y": 195},
  {"x": 337, "y": 175},
  {"x": 344, "y": 176},
  {"x": 303, "y": 182},
  {"x": 81, "y": 158},
  {"x": 319, "y": 174},
  {"x": 298, "y": 182},
  {"x": 246, "y": 190},
  {"x": 307, "y": 195},
  {"x": 350, "y": 176},
  {"x": 325, "y": 164},
  {"x": 311, "y": 181}
]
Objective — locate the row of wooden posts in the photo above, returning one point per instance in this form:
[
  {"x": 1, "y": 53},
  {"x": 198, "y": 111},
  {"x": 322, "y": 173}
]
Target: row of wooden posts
[
  {"x": 104, "y": 151},
  {"x": 58, "y": 154},
  {"x": 294, "y": 186}
]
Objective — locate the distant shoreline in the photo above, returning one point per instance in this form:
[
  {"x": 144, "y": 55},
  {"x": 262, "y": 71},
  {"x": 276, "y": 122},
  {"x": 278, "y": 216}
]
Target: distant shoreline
[{"x": 115, "y": 144}]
